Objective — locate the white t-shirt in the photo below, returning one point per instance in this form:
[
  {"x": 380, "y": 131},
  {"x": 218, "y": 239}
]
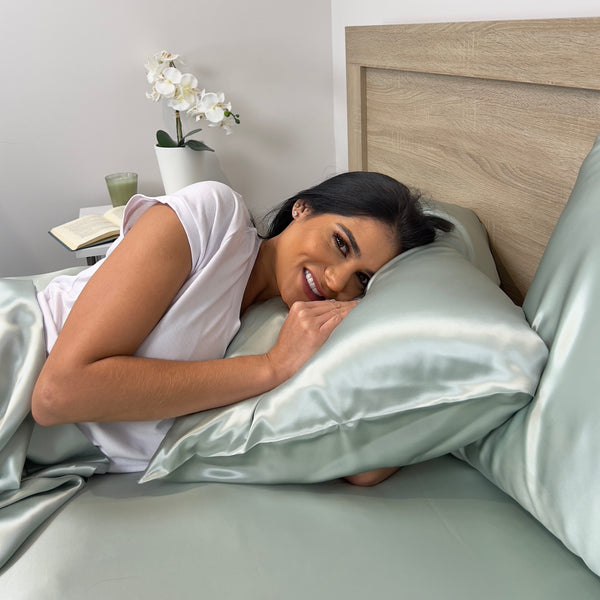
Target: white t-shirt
[{"x": 203, "y": 317}]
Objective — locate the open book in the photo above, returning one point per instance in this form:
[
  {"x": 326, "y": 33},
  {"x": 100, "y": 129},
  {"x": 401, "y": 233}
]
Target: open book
[{"x": 90, "y": 230}]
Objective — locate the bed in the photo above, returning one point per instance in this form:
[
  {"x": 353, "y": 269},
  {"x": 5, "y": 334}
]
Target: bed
[{"x": 495, "y": 117}]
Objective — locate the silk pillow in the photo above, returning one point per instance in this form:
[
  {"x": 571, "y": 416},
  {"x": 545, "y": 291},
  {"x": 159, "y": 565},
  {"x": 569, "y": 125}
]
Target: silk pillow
[
  {"x": 433, "y": 357},
  {"x": 547, "y": 455}
]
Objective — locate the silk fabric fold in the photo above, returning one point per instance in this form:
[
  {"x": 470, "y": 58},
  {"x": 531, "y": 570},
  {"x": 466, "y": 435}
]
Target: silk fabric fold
[{"x": 30, "y": 493}]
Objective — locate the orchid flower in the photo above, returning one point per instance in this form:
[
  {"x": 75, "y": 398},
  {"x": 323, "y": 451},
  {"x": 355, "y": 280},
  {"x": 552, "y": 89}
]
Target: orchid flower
[
  {"x": 180, "y": 90},
  {"x": 211, "y": 105},
  {"x": 167, "y": 57},
  {"x": 185, "y": 95},
  {"x": 154, "y": 67},
  {"x": 168, "y": 81}
]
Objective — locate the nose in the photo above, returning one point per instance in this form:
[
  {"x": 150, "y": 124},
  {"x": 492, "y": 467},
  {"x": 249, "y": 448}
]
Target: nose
[{"x": 337, "y": 279}]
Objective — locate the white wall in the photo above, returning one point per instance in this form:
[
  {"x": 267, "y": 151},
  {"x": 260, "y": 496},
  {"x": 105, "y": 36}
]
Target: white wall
[
  {"x": 382, "y": 12},
  {"x": 74, "y": 108}
]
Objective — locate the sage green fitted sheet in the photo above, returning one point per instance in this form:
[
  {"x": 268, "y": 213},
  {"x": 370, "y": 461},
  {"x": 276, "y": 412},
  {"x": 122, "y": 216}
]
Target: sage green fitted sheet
[{"x": 434, "y": 531}]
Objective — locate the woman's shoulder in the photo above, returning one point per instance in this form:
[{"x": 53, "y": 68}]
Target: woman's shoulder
[
  {"x": 215, "y": 201},
  {"x": 209, "y": 203},
  {"x": 210, "y": 191}
]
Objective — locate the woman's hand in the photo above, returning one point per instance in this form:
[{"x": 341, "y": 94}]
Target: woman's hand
[
  {"x": 370, "y": 478},
  {"x": 305, "y": 330}
]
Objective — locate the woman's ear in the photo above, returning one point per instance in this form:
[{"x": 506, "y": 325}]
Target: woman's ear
[{"x": 301, "y": 208}]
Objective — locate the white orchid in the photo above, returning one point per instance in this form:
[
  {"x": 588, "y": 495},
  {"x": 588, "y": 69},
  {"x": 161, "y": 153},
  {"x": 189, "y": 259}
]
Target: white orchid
[
  {"x": 168, "y": 81},
  {"x": 186, "y": 93},
  {"x": 167, "y": 56},
  {"x": 153, "y": 95},
  {"x": 213, "y": 106},
  {"x": 154, "y": 67},
  {"x": 180, "y": 90},
  {"x": 227, "y": 123}
]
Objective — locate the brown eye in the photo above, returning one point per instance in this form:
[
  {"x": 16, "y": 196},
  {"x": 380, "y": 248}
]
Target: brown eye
[
  {"x": 364, "y": 279},
  {"x": 341, "y": 244}
]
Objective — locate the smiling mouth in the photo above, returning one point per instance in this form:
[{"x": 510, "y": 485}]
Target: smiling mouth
[{"x": 312, "y": 286}]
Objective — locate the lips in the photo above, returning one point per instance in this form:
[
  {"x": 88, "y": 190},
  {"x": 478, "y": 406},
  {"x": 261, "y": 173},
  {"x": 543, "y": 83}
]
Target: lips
[{"x": 310, "y": 286}]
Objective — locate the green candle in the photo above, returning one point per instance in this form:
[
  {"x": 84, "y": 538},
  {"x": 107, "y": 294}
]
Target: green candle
[{"x": 121, "y": 186}]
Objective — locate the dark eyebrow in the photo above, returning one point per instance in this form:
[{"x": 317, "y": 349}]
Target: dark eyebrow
[{"x": 351, "y": 239}]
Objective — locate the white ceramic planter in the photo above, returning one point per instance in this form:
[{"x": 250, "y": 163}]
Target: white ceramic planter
[{"x": 180, "y": 167}]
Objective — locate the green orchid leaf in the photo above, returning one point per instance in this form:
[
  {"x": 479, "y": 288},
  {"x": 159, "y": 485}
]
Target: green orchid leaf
[
  {"x": 196, "y": 145},
  {"x": 165, "y": 140},
  {"x": 191, "y": 133}
]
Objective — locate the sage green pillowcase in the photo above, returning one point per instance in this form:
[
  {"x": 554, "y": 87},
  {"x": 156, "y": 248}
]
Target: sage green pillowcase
[
  {"x": 434, "y": 356},
  {"x": 468, "y": 236},
  {"x": 548, "y": 455}
]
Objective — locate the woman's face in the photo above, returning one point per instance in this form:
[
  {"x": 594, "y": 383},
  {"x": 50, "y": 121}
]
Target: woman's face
[{"x": 330, "y": 256}]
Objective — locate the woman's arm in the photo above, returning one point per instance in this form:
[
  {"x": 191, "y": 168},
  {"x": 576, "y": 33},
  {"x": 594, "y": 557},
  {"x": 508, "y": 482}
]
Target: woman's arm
[
  {"x": 91, "y": 373},
  {"x": 370, "y": 478}
]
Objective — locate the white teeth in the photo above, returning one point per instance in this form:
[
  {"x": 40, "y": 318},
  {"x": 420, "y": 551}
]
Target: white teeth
[{"x": 311, "y": 283}]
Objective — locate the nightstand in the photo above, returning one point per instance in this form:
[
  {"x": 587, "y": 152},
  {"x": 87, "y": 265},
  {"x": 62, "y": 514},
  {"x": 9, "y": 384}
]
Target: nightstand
[{"x": 92, "y": 254}]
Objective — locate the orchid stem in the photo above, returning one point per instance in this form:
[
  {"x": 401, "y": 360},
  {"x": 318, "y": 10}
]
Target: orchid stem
[{"x": 178, "y": 128}]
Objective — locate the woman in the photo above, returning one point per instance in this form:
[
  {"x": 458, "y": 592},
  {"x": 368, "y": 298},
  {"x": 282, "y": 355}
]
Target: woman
[{"x": 139, "y": 339}]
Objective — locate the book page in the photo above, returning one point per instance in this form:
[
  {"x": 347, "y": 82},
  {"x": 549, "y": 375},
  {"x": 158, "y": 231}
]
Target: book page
[
  {"x": 85, "y": 231},
  {"x": 115, "y": 215}
]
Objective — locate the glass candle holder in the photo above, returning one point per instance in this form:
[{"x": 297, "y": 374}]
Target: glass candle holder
[{"x": 121, "y": 186}]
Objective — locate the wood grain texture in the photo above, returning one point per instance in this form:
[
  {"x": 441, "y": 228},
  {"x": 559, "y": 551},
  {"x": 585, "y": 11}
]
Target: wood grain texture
[
  {"x": 547, "y": 51},
  {"x": 356, "y": 90},
  {"x": 508, "y": 149}
]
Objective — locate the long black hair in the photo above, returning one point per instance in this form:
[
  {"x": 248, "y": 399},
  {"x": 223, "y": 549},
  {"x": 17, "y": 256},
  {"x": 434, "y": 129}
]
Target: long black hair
[{"x": 367, "y": 194}]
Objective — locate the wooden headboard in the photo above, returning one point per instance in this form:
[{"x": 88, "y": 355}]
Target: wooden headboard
[{"x": 495, "y": 116}]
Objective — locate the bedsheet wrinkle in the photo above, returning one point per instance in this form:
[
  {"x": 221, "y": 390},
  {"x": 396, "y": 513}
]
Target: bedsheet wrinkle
[{"x": 29, "y": 494}]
